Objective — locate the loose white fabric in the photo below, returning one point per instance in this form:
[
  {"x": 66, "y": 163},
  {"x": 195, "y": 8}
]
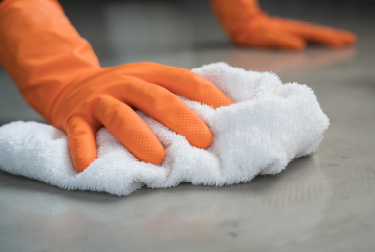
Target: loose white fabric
[{"x": 269, "y": 125}]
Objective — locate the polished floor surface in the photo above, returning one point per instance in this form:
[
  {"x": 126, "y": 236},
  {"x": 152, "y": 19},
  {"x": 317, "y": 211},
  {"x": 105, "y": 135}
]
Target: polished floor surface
[{"x": 323, "y": 202}]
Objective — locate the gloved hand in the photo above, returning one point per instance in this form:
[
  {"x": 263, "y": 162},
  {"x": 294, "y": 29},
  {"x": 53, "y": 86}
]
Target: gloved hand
[
  {"x": 59, "y": 75},
  {"x": 247, "y": 25}
]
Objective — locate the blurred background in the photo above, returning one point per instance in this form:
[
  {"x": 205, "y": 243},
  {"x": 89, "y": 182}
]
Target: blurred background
[{"x": 127, "y": 31}]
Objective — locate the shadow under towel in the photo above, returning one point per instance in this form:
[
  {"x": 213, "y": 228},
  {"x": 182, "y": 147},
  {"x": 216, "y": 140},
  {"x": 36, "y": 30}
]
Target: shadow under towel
[{"x": 270, "y": 124}]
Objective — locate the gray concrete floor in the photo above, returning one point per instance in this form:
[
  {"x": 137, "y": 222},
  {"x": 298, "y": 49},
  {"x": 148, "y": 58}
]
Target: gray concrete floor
[{"x": 323, "y": 202}]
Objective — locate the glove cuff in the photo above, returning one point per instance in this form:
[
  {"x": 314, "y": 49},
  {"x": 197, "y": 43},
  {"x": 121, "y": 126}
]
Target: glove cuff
[
  {"x": 42, "y": 51},
  {"x": 234, "y": 13}
]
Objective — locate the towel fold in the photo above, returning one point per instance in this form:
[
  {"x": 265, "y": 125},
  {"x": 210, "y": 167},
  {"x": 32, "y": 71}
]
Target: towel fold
[{"x": 269, "y": 125}]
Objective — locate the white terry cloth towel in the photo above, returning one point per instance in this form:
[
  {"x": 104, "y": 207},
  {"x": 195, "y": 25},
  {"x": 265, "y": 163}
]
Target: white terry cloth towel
[{"x": 270, "y": 124}]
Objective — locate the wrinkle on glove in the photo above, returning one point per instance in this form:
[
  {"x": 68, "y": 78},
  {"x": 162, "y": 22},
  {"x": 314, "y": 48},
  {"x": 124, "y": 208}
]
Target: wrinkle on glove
[{"x": 269, "y": 125}]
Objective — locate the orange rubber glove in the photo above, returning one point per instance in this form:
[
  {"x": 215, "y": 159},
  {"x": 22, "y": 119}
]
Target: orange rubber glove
[
  {"x": 58, "y": 74},
  {"x": 247, "y": 25}
]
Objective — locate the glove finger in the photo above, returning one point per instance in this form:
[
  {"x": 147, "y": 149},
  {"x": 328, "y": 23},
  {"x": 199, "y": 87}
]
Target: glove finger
[
  {"x": 270, "y": 38},
  {"x": 180, "y": 81},
  {"x": 81, "y": 138},
  {"x": 323, "y": 35},
  {"x": 168, "y": 109},
  {"x": 129, "y": 128},
  {"x": 333, "y": 38}
]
